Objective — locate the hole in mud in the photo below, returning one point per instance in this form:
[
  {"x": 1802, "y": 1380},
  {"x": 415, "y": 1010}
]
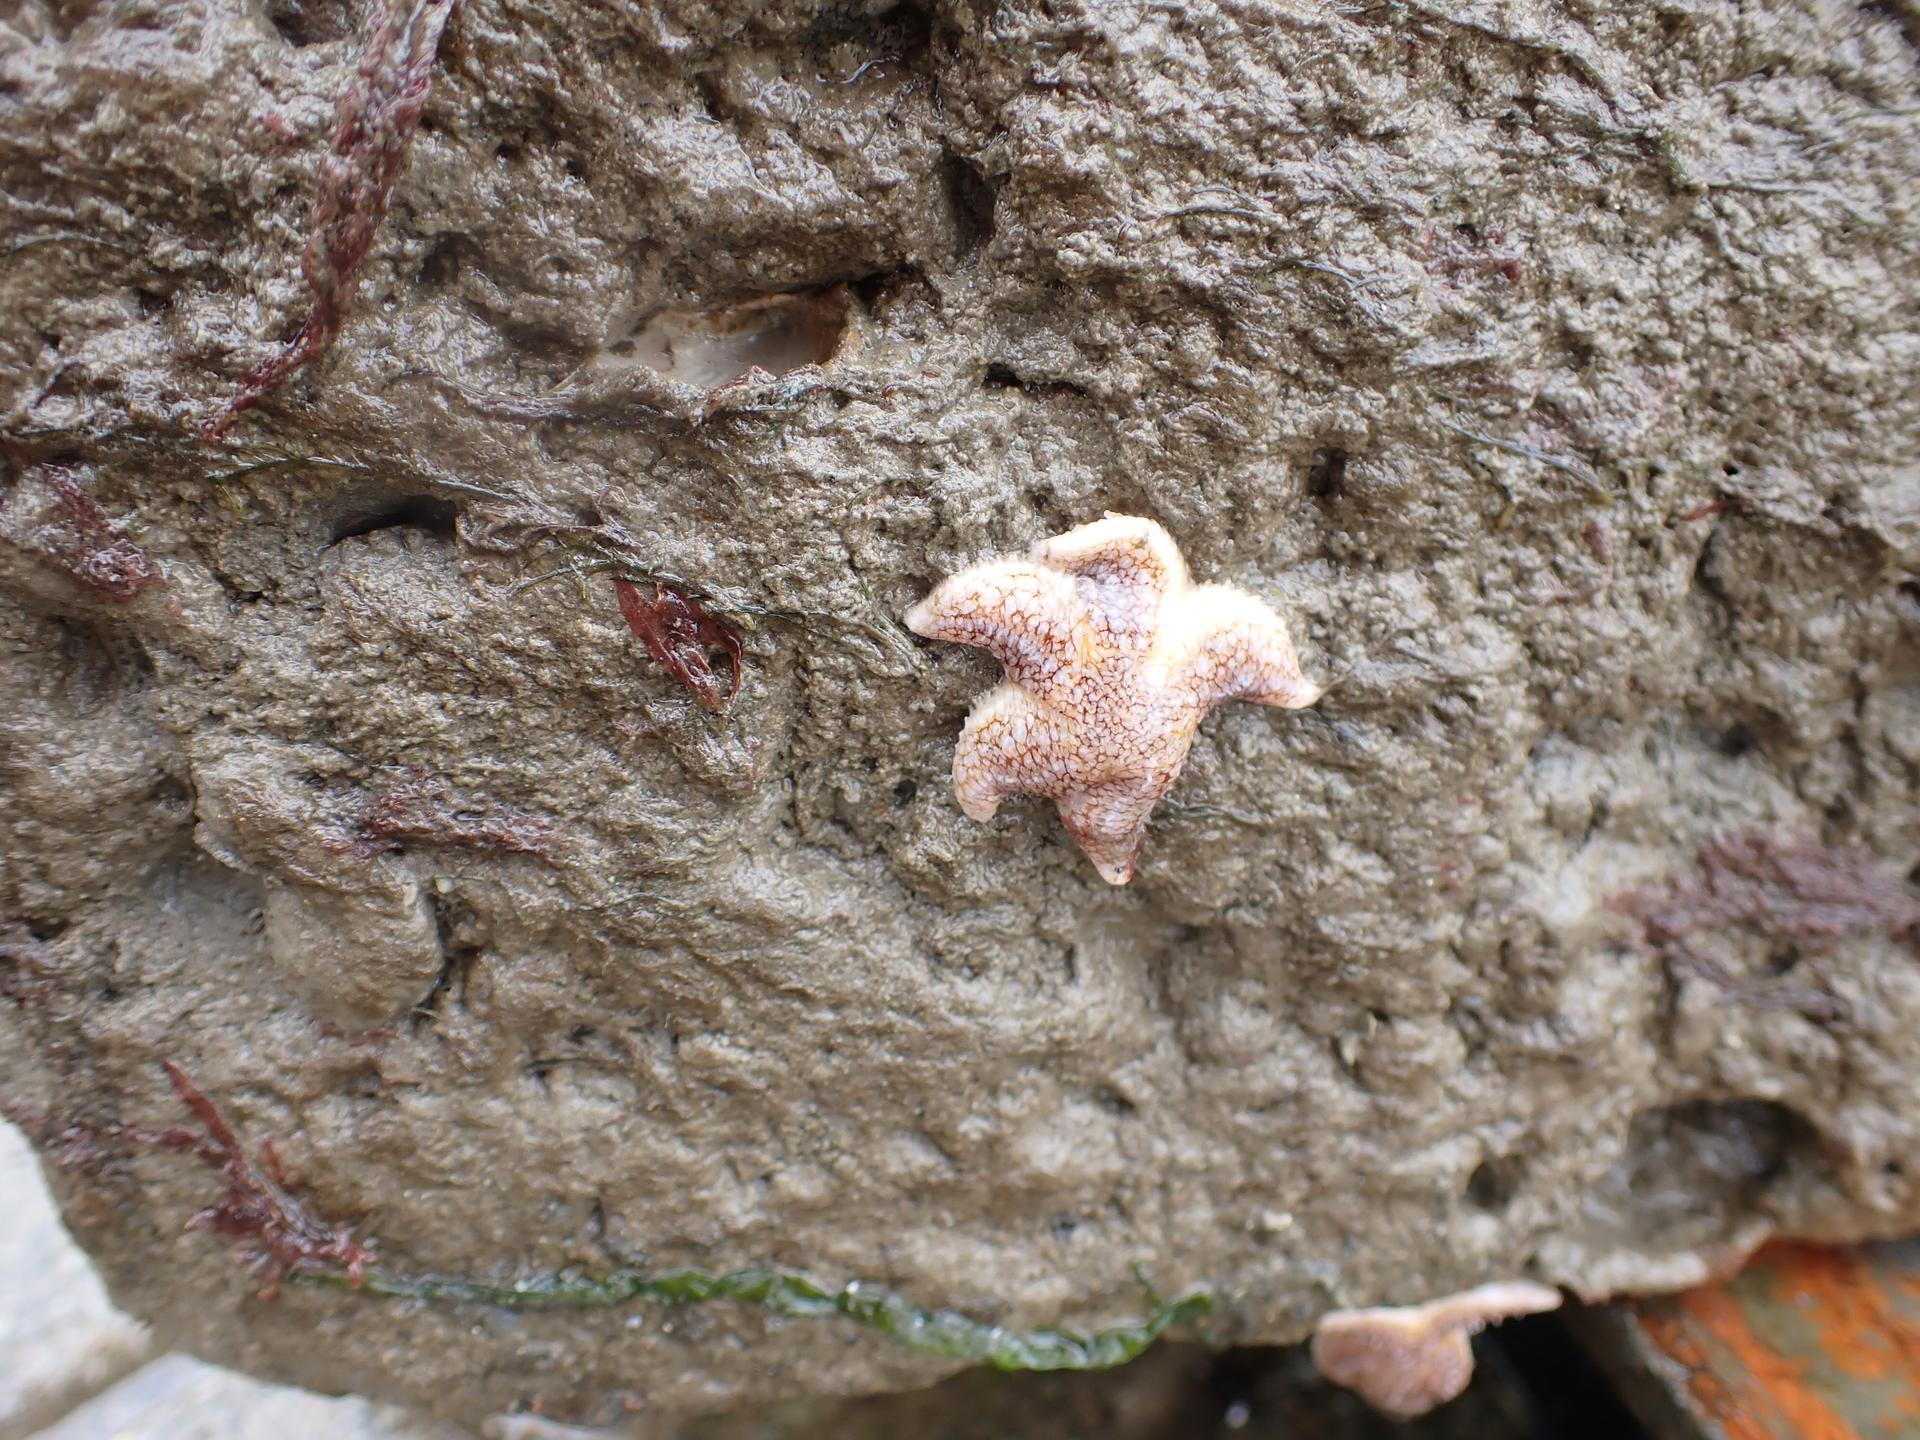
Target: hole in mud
[
  {"x": 1735, "y": 741},
  {"x": 1327, "y": 474},
  {"x": 310, "y": 22},
  {"x": 171, "y": 796},
  {"x": 904, "y": 792},
  {"x": 135, "y": 663},
  {"x": 44, "y": 928},
  {"x": 442, "y": 263},
  {"x": 417, "y": 512},
  {"x": 1493, "y": 1184},
  {"x": 903, "y": 32},
  {"x": 1780, "y": 960},
  {"x": 707, "y": 349},
  {"x": 876, "y": 289},
  {"x": 1690, "y": 1169},
  {"x": 712, "y": 104},
  {"x": 454, "y": 981},
  {"x": 891, "y": 37},
  {"x": 721, "y": 664},
  {"x": 1003, "y": 377},
  {"x": 971, "y": 199}
]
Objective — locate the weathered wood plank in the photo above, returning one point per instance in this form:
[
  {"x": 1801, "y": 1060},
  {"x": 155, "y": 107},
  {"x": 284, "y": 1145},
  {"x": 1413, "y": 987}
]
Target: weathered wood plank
[{"x": 1807, "y": 1343}]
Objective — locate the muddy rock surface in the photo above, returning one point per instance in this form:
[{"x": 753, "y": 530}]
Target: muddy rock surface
[{"x": 1551, "y": 365}]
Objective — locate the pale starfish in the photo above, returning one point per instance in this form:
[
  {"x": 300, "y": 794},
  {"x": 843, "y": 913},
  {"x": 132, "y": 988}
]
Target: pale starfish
[{"x": 1112, "y": 662}]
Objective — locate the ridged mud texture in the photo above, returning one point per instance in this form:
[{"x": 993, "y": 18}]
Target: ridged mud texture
[{"x": 1549, "y": 366}]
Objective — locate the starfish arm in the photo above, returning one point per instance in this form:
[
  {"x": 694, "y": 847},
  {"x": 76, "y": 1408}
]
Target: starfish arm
[
  {"x": 1010, "y": 745},
  {"x": 1237, "y": 648},
  {"x": 1109, "y": 822},
  {"x": 1123, "y": 550},
  {"x": 1025, "y": 615},
  {"x": 1132, "y": 566}
]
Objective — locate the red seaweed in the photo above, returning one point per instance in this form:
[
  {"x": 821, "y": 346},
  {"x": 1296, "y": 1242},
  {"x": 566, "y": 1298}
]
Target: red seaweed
[
  {"x": 1786, "y": 888},
  {"x": 1774, "y": 889},
  {"x": 682, "y": 636},
  {"x": 373, "y": 130},
  {"x": 422, "y": 809},
  {"x": 46, "y": 511},
  {"x": 1711, "y": 507},
  {"x": 262, "y": 1217}
]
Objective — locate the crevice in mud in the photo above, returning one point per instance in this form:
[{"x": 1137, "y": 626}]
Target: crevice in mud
[
  {"x": 541, "y": 347},
  {"x": 456, "y": 970},
  {"x": 1692, "y": 1169},
  {"x": 1749, "y": 732},
  {"x": 435, "y": 516},
  {"x": 882, "y": 286},
  {"x": 712, "y": 103},
  {"x": 1494, "y": 1183},
  {"x": 770, "y": 336},
  {"x": 1735, "y": 741},
  {"x": 1327, "y": 474},
  {"x": 42, "y": 929},
  {"x": 1001, "y": 376},
  {"x": 442, "y": 263},
  {"x": 972, "y": 199},
  {"x": 896, "y": 35},
  {"x": 311, "y": 22}
]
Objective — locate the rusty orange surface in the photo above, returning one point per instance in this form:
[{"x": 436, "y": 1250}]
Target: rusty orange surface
[{"x": 1806, "y": 1343}]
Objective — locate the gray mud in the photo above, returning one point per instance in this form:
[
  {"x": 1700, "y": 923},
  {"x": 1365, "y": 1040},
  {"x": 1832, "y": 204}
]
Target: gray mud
[{"x": 1552, "y": 367}]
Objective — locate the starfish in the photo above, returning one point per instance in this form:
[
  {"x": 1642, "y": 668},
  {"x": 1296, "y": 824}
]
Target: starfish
[{"x": 1112, "y": 659}]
